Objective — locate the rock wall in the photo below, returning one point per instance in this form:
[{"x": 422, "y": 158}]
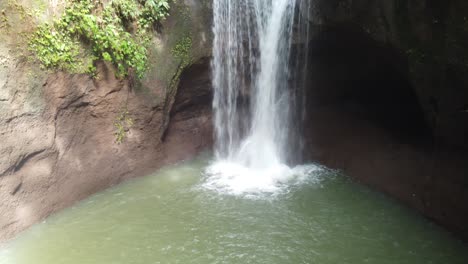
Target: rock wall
[
  {"x": 431, "y": 35},
  {"x": 387, "y": 100},
  {"x": 58, "y": 130}
]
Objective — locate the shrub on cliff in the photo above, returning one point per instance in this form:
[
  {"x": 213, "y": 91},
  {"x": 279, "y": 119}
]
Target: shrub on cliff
[{"x": 89, "y": 30}]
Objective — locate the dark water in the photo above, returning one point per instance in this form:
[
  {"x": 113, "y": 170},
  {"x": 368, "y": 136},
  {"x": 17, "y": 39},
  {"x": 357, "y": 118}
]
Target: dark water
[{"x": 169, "y": 217}]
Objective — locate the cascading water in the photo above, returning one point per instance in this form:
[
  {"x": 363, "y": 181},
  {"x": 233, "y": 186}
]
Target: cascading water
[{"x": 252, "y": 77}]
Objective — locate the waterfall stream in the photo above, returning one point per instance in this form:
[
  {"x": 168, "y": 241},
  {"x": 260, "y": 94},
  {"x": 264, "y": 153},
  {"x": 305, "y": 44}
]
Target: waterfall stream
[{"x": 255, "y": 83}]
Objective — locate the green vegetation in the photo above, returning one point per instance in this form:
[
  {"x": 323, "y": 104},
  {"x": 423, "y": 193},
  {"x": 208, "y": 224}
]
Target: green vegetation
[
  {"x": 122, "y": 124},
  {"x": 182, "y": 49},
  {"x": 118, "y": 32},
  {"x": 181, "y": 52},
  {"x": 4, "y": 25}
]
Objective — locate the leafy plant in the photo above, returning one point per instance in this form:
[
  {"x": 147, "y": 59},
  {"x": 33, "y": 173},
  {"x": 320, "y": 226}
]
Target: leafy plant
[
  {"x": 118, "y": 33},
  {"x": 152, "y": 12},
  {"x": 182, "y": 50},
  {"x": 128, "y": 11},
  {"x": 54, "y": 49}
]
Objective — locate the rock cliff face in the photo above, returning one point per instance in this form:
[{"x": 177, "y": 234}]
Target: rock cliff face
[
  {"x": 430, "y": 36},
  {"x": 58, "y": 130},
  {"x": 387, "y": 99}
]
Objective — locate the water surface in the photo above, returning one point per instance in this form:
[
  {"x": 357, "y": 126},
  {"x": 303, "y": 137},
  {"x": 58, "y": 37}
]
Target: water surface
[{"x": 172, "y": 217}]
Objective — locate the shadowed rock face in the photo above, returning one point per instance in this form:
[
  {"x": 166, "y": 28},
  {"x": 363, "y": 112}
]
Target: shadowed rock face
[
  {"x": 391, "y": 62},
  {"x": 366, "y": 79},
  {"x": 191, "y": 127},
  {"x": 364, "y": 117},
  {"x": 430, "y": 35}
]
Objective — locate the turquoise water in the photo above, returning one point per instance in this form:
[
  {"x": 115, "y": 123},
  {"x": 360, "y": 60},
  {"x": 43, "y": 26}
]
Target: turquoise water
[{"x": 170, "y": 217}]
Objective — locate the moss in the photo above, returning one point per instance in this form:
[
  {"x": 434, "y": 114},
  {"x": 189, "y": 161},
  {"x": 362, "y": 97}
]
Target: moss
[
  {"x": 175, "y": 49},
  {"x": 180, "y": 43},
  {"x": 182, "y": 51},
  {"x": 4, "y": 23},
  {"x": 122, "y": 125},
  {"x": 14, "y": 14}
]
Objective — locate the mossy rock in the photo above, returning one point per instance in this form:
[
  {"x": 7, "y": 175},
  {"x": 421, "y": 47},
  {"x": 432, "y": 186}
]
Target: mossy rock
[{"x": 185, "y": 37}]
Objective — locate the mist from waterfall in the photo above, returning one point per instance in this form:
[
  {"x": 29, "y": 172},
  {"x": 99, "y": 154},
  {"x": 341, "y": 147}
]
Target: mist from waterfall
[{"x": 257, "y": 102}]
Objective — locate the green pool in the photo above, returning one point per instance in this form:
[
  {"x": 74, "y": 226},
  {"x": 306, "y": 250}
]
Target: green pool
[{"x": 176, "y": 215}]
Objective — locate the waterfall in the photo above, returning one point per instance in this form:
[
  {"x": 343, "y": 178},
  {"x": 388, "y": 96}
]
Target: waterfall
[{"x": 256, "y": 100}]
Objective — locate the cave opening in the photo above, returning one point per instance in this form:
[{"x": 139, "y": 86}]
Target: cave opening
[{"x": 358, "y": 86}]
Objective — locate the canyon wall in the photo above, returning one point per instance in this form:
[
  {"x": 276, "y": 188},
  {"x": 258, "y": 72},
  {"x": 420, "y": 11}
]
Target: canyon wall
[
  {"x": 60, "y": 132},
  {"x": 387, "y": 100}
]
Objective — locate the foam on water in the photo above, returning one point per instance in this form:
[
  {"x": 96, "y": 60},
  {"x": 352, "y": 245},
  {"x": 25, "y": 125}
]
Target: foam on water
[{"x": 226, "y": 177}]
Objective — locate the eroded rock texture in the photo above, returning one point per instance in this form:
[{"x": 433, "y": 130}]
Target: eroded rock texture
[{"x": 57, "y": 130}]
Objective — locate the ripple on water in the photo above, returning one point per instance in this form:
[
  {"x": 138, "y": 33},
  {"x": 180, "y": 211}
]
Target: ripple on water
[{"x": 171, "y": 217}]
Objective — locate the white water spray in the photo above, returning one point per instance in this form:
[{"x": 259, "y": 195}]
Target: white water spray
[{"x": 252, "y": 81}]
